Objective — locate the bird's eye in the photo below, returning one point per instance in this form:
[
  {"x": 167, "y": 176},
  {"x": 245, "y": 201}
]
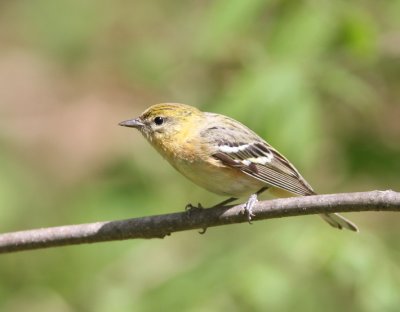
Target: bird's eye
[{"x": 158, "y": 120}]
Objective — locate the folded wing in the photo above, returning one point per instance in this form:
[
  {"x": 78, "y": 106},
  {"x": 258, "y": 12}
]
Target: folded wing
[{"x": 263, "y": 162}]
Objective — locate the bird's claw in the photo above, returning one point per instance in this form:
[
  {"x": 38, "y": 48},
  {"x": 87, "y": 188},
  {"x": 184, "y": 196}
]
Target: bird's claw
[
  {"x": 203, "y": 231},
  {"x": 190, "y": 207}
]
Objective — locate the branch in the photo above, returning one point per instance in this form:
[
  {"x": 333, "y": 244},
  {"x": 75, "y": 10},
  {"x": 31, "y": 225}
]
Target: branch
[{"x": 161, "y": 225}]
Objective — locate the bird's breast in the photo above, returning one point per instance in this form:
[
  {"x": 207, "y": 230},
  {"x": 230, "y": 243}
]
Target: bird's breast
[
  {"x": 196, "y": 163},
  {"x": 217, "y": 178}
]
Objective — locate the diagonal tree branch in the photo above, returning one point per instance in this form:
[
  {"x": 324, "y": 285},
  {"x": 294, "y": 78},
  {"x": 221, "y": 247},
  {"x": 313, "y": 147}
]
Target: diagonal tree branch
[{"x": 161, "y": 225}]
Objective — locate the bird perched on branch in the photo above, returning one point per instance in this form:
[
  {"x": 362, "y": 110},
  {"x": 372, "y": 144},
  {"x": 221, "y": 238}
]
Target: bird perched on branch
[{"x": 223, "y": 156}]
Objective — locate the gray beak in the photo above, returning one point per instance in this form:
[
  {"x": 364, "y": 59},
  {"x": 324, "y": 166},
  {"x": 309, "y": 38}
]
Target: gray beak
[{"x": 132, "y": 123}]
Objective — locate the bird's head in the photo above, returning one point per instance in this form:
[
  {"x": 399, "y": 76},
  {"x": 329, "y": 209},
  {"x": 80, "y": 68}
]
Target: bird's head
[{"x": 164, "y": 121}]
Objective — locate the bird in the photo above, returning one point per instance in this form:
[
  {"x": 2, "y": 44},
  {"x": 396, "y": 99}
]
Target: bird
[{"x": 223, "y": 156}]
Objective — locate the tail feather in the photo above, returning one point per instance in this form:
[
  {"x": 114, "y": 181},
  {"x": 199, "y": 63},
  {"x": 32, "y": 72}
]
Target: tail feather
[
  {"x": 338, "y": 221},
  {"x": 334, "y": 219}
]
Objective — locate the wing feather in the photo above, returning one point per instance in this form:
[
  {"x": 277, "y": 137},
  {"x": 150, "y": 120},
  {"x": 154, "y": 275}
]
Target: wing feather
[{"x": 261, "y": 161}]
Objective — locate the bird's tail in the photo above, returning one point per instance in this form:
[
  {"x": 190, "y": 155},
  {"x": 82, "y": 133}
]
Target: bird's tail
[
  {"x": 338, "y": 221},
  {"x": 334, "y": 219}
]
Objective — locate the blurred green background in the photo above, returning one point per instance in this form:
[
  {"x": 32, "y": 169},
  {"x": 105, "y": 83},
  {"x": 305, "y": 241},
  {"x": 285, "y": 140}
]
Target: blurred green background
[{"x": 320, "y": 80}]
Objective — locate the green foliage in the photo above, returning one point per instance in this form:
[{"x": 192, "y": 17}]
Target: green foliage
[{"x": 318, "y": 79}]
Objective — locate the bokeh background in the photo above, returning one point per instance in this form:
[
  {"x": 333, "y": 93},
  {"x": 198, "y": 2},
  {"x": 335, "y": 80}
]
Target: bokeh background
[{"x": 320, "y": 80}]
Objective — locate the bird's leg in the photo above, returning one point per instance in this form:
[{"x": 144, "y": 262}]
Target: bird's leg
[
  {"x": 248, "y": 206},
  {"x": 221, "y": 204},
  {"x": 261, "y": 190},
  {"x": 224, "y": 202},
  {"x": 190, "y": 208}
]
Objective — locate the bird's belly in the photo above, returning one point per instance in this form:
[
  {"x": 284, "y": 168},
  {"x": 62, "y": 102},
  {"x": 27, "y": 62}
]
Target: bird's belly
[{"x": 220, "y": 180}]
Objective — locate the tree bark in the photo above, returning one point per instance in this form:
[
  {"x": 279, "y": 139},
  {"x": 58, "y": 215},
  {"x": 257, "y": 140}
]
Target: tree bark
[{"x": 159, "y": 226}]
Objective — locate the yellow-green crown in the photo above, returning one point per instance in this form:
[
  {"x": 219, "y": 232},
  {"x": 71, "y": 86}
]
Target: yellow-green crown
[{"x": 169, "y": 109}]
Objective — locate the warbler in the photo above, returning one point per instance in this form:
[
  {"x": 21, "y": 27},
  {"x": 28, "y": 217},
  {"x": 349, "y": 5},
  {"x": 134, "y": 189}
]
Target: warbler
[{"x": 223, "y": 156}]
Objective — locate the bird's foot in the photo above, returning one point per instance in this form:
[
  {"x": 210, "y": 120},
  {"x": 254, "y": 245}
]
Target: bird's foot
[
  {"x": 225, "y": 203},
  {"x": 248, "y": 207},
  {"x": 191, "y": 208}
]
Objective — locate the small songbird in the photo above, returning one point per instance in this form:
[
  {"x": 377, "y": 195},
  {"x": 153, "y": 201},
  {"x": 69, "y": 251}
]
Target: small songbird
[{"x": 223, "y": 156}]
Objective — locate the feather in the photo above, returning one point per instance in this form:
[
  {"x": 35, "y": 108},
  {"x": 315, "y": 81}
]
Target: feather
[{"x": 261, "y": 161}]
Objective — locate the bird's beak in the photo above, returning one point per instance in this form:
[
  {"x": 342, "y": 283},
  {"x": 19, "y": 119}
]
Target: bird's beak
[{"x": 132, "y": 123}]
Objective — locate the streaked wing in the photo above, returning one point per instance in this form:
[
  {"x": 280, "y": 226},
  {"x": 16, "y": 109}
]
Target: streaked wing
[{"x": 261, "y": 161}]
